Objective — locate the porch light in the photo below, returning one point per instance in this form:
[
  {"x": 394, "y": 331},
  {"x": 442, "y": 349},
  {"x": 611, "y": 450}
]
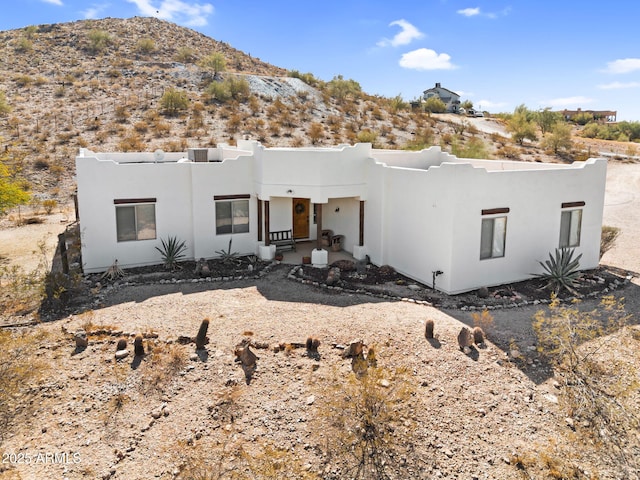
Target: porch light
[{"x": 289, "y": 191}]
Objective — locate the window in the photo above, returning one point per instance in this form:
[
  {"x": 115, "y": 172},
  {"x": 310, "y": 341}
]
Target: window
[
  {"x": 493, "y": 234},
  {"x": 135, "y": 222},
  {"x": 570, "y": 224},
  {"x": 232, "y": 214}
]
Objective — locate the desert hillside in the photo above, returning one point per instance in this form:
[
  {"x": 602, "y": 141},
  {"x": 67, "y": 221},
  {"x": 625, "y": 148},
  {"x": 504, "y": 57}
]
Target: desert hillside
[{"x": 100, "y": 83}]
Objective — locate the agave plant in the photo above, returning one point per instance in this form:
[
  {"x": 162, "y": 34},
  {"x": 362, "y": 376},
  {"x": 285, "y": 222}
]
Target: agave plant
[
  {"x": 561, "y": 271},
  {"x": 172, "y": 252}
]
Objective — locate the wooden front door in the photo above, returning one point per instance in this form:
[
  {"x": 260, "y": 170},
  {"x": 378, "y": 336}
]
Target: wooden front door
[{"x": 301, "y": 217}]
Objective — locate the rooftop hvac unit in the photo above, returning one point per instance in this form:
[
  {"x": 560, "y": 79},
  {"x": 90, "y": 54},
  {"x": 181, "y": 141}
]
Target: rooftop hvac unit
[{"x": 198, "y": 154}]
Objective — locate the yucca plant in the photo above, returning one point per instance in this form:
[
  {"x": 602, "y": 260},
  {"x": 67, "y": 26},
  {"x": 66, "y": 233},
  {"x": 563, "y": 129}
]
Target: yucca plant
[
  {"x": 561, "y": 271},
  {"x": 172, "y": 252}
]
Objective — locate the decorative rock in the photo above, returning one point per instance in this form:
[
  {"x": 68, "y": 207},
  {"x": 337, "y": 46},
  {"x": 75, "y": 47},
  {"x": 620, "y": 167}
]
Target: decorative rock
[
  {"x": 120, "y": 354},
  {"x": 311, "y": 399},
  {"x": 82, "y": 341}
]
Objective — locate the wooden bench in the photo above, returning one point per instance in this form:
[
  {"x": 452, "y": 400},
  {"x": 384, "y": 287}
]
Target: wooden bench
[{"x": 282, "y": 239}]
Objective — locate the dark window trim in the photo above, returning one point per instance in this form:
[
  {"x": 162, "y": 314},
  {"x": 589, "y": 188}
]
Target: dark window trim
[
  {"x": 573, "y": 204},
  {"x": 494, "y": 211},
  {"x": 123, "y": 201},
  {"x": 232, "y": 197}
]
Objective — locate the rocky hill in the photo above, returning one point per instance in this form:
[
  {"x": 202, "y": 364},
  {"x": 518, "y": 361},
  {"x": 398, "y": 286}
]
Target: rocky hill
[{"x": 99, "y": 84}]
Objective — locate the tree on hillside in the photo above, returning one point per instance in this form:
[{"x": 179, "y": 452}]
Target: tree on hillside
[
  {"x": 214, "y": 62},
  {"x": 546, "y": 119},
  {"x": 13, "y": 191},
  {"x": 559, "y": 138},
  {"x": 467, "y": 104},
  {"x": 521, "y": 125},
  {"x": 434, "y": 105}
]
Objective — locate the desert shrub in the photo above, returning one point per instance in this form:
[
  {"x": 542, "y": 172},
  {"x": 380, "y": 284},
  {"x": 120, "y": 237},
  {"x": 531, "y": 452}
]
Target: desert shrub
[
  {"x": 483, "y": 320},
  {"x": 165, "y": 363},
  {"x": 145, "y": 46},
  {"x": 369, "y": 422},
  {"x": 174, "y": 101},
  {"x": 608, "y": 238},
  {"x": 315, "y": 132},
  {"x": 24, "y": 45},
  {"x": 49, "y": 205},
  {"x": 121, "y": 113},
  {"x": 23, "y": 80},
  {"x": 367, "y": 136},
  {"x": 20, "y": 371},
  {"x": 5, "y": 108},
  {"x": 185, "y": 55},
  {"x": 99, "y": 40},
  {"x": 595, "y": 360},
  {"x": 131, "y": 143},
  {"x": 509, "y": 151},
  {"x": 473, "y": 148}
]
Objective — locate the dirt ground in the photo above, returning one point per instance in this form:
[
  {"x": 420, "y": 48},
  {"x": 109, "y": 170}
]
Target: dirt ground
[{"x": 467, "y": 417}]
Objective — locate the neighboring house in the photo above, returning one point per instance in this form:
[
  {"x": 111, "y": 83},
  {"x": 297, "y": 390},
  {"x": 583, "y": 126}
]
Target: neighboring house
[
  {"x": 450, "y": 99},
  {"x": 479, "y": 222},
  {"x": 602, "y": 116}
]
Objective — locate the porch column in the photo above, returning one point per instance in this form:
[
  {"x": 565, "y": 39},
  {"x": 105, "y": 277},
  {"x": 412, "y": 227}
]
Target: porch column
[
  {"x": 361, "y": 232},
  {"x": 259, "y": 220},
  {"x": 360, "y": 251},
  {"x": 319, "y": 226},
  {"x": 267, "y": 228}
]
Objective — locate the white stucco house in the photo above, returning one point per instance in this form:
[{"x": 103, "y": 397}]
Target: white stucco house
[
  {"x": 449, "y": 98},
  {"x": 479, "y": 222}
]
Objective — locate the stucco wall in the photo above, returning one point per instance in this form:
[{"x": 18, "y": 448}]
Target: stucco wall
[
  {"x": 422, "y": 209},
  {"x": 101, "y": 182}
]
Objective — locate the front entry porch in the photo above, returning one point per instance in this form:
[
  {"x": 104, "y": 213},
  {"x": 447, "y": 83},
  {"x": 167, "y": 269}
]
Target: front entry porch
[
  {"x": 304, "y": 249},
  {"x": 323, "y": 230}
]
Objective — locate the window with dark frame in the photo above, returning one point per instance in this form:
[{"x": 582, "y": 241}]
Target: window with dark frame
[
  {"x": 135, "y": 219},
  {"x": 493, "y": 233},
  {"x": 232, "y": 214},
  {"x": 570, "y": 224}
]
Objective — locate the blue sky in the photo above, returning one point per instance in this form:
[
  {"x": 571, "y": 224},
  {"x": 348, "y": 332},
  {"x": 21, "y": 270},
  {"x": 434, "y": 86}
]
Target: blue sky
[{"x": 498, "y": 54}]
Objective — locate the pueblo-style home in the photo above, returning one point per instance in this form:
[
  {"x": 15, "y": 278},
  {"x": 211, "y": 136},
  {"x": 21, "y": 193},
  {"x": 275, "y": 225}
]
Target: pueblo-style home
[{"x": 476, "y": 222}]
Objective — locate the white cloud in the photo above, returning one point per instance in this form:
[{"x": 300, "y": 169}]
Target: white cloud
[
  {"x": 623, "y": 65},
  {"x": 408, "y": 34},
  {"x": 54, "y": 2},
  {"x": 469, "y": 12},
  {"x": 426, "y": 59},
  {"x": 567, "y": 101},
  {"x": 190, "y": 14},
  {"x": 95, "y": 10},
  {"x": 473, "y": 12},
  {"x": 618, "y": 85}
]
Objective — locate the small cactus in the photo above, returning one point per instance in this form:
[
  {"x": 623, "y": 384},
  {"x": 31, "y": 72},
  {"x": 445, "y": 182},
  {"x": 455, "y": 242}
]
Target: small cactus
[
  {"x": 464, "y": 339},
  {"x": 122, "y": 344},
  {"x": 478, "y": 335},
  {"x": 201, "y": 338},
  {"x": 138, "y": 347},
  {"x": 312, "y": 344},
  {"x": 428, "y": 329}
]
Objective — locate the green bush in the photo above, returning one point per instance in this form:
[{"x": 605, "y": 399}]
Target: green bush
[
  {"x": 561, "y": 271},
  {"x": 172, "y": 252},
  {"x": 99, "y": 40},
  {"x": 174, "y": 101}
]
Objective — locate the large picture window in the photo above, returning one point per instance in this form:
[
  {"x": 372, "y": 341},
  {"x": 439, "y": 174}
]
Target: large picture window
[
  {"x": 232, "y": 214},
  {"x": 493, "y": 234},
  {"x": 135, "y": 219}
]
